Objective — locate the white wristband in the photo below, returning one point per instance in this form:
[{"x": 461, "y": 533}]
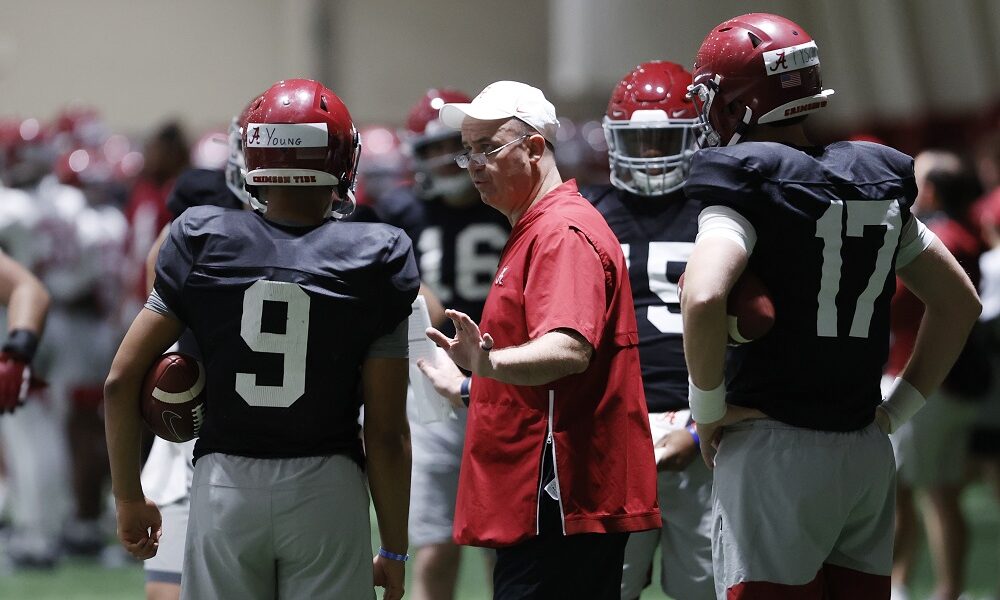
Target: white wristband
[
  {"x": 901, "y": 403},
  {"x": 707, "y": 406}
]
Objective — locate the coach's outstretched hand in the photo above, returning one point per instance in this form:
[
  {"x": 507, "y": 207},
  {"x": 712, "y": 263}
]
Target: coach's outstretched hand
[
  {"x": 470, "y": 348},
  {"x": 139, "y": 527},
  {"x": 389, "y": 574},
  {"x": 710, "y": 434}
]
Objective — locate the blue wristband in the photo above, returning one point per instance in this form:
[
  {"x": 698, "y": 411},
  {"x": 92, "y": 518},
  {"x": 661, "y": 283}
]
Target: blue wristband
[
  {"x": 463, "y": 391},
  {"x": 693, "y": 430},
  {"x": 392, "y": 555}
]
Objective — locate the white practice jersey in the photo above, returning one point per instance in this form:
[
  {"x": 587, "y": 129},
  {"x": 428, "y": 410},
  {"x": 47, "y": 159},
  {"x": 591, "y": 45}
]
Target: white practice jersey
[{"x": 73, "y": 248}]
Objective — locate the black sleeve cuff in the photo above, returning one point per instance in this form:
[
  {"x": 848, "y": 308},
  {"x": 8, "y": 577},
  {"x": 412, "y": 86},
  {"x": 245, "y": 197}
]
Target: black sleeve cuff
[{"x": 22, "y": 344}]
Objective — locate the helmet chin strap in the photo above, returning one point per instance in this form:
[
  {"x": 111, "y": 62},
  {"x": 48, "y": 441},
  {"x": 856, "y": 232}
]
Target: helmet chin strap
[
  {"x": 342, "y": 208},
  {"x": 741, "y": 128}
]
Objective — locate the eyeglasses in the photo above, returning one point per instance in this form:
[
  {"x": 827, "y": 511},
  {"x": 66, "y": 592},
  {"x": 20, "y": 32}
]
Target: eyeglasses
[{"x": 479, "y": 159}]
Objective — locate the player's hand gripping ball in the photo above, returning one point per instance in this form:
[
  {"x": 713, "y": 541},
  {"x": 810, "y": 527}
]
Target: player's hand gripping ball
[
  {"x": 173, "y": 397},
  {"x": 749, "y": 308}
]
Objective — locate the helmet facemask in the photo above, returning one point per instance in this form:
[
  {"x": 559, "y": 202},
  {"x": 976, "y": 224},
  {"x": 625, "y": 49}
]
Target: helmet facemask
[
  {"x": 649, "y": 153},
  {"x": 236, "y": 164}
]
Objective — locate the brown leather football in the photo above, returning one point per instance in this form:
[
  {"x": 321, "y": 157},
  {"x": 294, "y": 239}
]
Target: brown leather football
[
  {"x": 749, "y": 308},
  {"x": 173, "y": 397}
]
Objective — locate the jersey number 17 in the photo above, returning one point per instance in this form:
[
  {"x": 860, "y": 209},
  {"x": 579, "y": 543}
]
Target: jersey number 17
[{"x": 833, "y": 228}]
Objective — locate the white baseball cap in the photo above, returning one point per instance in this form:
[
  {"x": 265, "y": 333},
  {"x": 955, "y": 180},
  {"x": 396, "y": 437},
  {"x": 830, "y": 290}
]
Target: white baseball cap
[{"x": 505, "y": 99}]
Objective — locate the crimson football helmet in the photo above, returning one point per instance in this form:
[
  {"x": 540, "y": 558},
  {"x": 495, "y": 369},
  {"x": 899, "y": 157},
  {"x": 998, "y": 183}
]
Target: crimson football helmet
[
  {"x": 651, "y": 129},
  {"x": 755, "y": 68},
  {"x": 299, "y": 133},
  {"x": 433, "y": 145},
  {"x": 26, "y": 151},
  {"x": 79, "y": 126}
]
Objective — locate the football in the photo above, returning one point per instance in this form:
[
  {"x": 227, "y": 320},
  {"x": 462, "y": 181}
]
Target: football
[
  {"x": 173, "y": 398},
  {"x": 749, "y": 307}
]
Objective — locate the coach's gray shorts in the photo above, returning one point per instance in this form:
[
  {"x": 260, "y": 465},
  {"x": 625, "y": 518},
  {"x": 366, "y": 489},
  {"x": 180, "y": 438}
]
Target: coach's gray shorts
[
  {"x": 285, "y": 528},
  {"x": 787, "y": 500}
]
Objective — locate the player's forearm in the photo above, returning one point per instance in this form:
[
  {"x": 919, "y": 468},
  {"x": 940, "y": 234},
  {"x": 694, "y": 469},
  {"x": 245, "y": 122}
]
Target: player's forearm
[
  {"x": 951, "y": 307},
  {"x": 27, "y": 307},
  {"x": 543, "y": 360},
  {"x": 122, "y": 428},
  {"x": 940, "y": 339},
  {"x": 705, "y": 335},
  {"x": 713, "y": 268},
  {"x": 389, "y": 464}
]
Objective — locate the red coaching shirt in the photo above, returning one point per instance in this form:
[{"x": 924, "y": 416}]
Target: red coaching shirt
[{"x": 562, "y": 268}]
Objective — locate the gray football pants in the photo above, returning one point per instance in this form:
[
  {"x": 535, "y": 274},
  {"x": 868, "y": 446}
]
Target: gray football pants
[{"x": 278, "y": 528}]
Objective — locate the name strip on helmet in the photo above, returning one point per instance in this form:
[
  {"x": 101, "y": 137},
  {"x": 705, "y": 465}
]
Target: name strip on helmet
[
  {"x": 791, "y": 58},
  {"x": 286, "y": 135}
]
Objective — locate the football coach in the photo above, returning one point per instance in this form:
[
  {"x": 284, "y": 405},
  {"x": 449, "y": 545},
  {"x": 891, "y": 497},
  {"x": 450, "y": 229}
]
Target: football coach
[{"x": 557, "y": 467}]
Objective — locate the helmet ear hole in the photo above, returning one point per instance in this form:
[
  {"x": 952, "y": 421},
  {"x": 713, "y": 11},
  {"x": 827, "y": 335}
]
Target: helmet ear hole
[{"x": 733, "y": 107}]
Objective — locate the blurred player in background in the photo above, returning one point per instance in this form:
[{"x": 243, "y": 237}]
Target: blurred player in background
[
  {"x": 102, "y": 232},
  {"x": 280, "y": 442},
  {"x": 651, "y": 130},
  {"x": 803, "y": 500},
  {"x": 458, "y": 240},
  {"x": 986, "y": 430},
  {"x": 72, "y": 244},
  {"x": 932, "y": 449},
  {"x": 166, "y": 155}
]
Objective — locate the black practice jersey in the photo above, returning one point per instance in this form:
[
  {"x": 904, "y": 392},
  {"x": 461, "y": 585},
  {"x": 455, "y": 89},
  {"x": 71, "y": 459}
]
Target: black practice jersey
[
  {"x": 828, "y": 223},
  {"x": 457, "y": 248},
  {"x": 657, "y": 235},
  {"x": 200, "y": 187},
  {"x": 284, "y": 317}
]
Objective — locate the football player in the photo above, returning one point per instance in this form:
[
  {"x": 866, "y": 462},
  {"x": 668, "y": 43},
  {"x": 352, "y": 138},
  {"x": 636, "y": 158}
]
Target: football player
[
  {"x": 458, "y": 244},
  {"x": 293, "y": 311},
  {"x": 651, "y": 130},
  {"x": 803, "y": 500}
]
